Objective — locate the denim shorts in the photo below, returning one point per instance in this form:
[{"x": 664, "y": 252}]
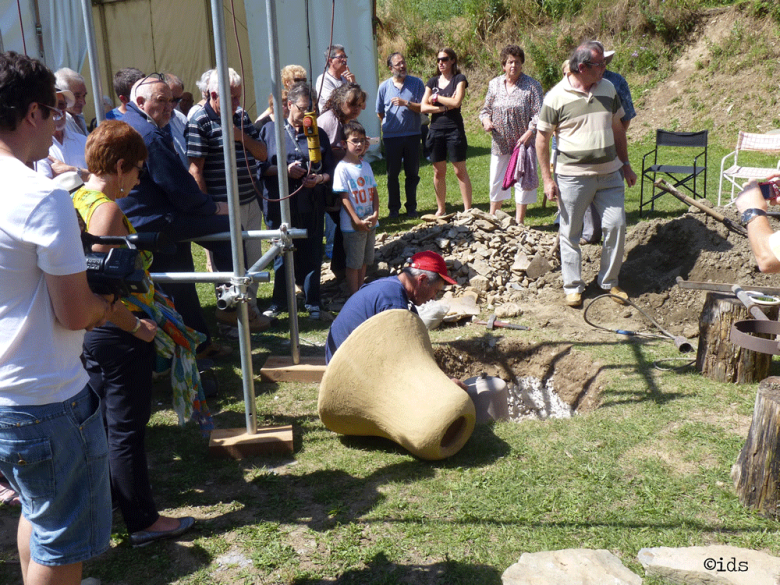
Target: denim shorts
[{"x": 56, "y": 457}]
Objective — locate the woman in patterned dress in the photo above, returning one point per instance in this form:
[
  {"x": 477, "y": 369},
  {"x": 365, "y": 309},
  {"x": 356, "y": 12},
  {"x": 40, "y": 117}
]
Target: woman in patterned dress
[{"x": 511, "y": 107}]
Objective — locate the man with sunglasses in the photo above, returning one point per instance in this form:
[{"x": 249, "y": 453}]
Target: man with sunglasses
[
  {"x": 53, "y": 448},
  {"x": 336, "y": 75},
  {"x": 584, "y": 111},
  {"x": 178, "y": 124},
  {"x": 67, "y": 150}
]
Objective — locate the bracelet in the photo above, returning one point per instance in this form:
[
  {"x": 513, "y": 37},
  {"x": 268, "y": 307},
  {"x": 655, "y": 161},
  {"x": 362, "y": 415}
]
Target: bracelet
[{"x": 135, "y": 329}]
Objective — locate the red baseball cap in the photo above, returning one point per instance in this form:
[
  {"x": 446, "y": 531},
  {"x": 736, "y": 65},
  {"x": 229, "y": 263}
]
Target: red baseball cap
[{"x": 432, "y": 261}]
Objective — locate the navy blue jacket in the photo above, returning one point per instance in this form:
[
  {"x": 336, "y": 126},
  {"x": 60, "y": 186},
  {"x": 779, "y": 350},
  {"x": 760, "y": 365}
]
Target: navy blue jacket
[{"x": 166, "y": 190}]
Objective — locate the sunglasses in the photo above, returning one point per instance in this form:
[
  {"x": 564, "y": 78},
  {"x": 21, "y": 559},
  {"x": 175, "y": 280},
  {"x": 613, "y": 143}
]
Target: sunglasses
[
  {"x": 140, "y": 170},
  {"x": 299, "y": 80},
  {"x": 56, "y": 113}
]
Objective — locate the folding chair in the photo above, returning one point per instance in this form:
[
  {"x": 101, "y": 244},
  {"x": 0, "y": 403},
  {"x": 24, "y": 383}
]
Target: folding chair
[
  {"x": 665, "y": 138},
  {"x": 738, "y": 175}
]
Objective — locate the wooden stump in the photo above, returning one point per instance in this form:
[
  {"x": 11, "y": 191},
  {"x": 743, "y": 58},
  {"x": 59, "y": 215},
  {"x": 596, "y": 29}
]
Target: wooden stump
[
  {"x": 756, "y": 474},
  {"x": 718, "y": 358}
]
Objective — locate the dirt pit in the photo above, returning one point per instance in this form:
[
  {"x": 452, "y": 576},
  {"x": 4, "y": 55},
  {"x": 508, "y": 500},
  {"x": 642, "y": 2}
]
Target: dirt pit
[{"x": 544, "y": 381}]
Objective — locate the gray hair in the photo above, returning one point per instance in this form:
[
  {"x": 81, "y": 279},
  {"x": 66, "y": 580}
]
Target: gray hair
[
  {"x": 583, "y": 54},
  {"x": 66, "y": 76},
  {"x": 433, "y": 277},
  {"x": 213, "y": 87},
  {"x": 144, "y": 88},
  {"x": 331, "y": 51},
  {"x": 173, "y": 80},
  {"x": 298, "y": 91},
  {"x": 203, "y": 82}
]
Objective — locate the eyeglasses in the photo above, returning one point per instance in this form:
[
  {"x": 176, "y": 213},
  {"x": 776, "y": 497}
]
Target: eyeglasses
[
  {"x": 56, "y": 113},
  {"x": 598, "y": 65},
  {"x": 399, "y": 64},
  {"x": 300, "y": 108},
  {"x": 358, "y": 142},
  {"x": 340, "y": 58},
  {"x": 442, "y": 59}
]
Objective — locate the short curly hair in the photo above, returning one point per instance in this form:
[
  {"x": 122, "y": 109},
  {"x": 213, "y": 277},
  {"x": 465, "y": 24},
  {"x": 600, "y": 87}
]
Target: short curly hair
[
  {"x": 514, "y": 51},
  {"x": 111, "y": 141}
]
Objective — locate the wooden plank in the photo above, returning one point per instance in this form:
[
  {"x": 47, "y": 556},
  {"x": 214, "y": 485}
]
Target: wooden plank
[
  {"x": 237, "y": 444},
  {"x": 280, "y": 368}
]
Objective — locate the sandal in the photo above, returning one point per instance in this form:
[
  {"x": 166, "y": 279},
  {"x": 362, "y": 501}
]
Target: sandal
[{"x": 8, "y": 496}]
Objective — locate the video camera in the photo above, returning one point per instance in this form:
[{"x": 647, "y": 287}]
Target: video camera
[{"x": 120, "y": 272}]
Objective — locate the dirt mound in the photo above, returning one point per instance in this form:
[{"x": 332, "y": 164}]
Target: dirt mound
[{"x": 720, "y": 82}]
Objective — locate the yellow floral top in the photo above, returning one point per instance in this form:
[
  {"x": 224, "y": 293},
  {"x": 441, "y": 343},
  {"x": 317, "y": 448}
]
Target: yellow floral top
[{"x": 86, "y": 202}]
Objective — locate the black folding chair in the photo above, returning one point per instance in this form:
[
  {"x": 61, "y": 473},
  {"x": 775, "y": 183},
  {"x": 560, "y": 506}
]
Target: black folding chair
[{"x": 682, "y": 176}]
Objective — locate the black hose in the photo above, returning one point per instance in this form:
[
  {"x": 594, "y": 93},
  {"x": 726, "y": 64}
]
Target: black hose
[{"x": 682, "y": 344}]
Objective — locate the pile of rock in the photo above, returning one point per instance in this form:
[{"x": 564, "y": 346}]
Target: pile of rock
[{"x": 489, "y": 255}]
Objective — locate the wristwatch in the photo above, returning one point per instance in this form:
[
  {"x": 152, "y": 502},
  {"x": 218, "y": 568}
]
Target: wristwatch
[{"x": 750, "y": 214}]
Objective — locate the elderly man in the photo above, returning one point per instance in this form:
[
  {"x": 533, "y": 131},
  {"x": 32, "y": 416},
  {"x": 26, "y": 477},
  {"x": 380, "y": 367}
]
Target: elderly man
[
  {"x": 336, "y": 75},
  {"x": 124, "y": 80},
  {"x": 53, "y": 448},
  {"x": 67, "y": 149},
  {"x": 584, "y": 112},
  {"x": 178, "y": 124},
  {"x": 72, "y": 81},
  {"x": 398, "y": 107},
  {"x": 764, "y": 242},
  {"x": 167, "y": 199},
  {"x": 417, "y": 284},
  {"x": 207, "y": 159}
]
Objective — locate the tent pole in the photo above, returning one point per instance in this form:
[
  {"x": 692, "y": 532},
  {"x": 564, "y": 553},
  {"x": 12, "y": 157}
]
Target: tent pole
[
  {"x": 97, "y": 87},
  {"x": 276, "y": 92},
  {"x": 239, "y": 279}
]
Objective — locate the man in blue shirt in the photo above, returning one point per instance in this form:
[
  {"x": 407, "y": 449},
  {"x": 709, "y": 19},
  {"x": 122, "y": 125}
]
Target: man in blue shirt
[
  {"x": 417, "y": 284},
  {"x": 398, "y": 107}
]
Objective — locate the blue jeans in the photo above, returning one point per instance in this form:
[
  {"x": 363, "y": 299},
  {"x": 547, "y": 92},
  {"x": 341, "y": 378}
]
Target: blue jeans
[{"x": 56, "y": 457}]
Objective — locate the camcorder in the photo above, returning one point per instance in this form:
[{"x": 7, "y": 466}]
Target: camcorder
[{"x": 120, "y": 272}]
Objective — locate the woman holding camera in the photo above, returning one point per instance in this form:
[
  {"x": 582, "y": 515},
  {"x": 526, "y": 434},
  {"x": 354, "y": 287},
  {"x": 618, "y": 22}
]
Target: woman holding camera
[
  {"x": 119, "y": 356},
  {"x": 309, "y": 186}
]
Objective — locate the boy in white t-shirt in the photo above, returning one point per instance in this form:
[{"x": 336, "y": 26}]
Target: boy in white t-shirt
[{"x": 354, "y": 181}]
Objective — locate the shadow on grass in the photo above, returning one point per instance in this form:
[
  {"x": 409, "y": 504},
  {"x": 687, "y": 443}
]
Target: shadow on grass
[{"x": 381, "y": 571}]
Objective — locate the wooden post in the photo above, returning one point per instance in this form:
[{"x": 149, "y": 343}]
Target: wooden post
[
  {"x": 718, "y": 358},
  {"x": 756, "y": 474}
]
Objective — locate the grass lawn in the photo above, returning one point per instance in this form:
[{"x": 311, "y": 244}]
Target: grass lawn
[{"x": 649, "y": 468}]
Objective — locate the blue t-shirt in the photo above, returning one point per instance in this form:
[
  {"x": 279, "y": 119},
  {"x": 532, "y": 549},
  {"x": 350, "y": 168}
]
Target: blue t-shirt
[
  {"x": 372, "y": 298},
  {"x": 400, "y": 121},
  {"x": 621, "y": 87},
  {"x": 114, "y": 114}
]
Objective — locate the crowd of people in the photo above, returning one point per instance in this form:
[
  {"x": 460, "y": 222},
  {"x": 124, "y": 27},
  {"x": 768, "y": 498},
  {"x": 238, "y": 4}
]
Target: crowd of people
[{"x": 156, "y": 165}]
